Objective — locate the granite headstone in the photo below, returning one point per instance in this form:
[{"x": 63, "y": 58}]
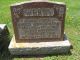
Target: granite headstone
[{"x": 38, "y": 21}]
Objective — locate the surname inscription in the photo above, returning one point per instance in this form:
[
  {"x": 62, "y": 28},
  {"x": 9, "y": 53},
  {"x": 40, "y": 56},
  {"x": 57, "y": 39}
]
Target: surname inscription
[{"x": 38, "y": 12}]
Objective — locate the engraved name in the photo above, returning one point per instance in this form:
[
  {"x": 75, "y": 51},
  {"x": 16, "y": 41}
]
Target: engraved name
[{"x": 38, "y": 12}]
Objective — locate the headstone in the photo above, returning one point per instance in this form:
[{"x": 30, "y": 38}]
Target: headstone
[
  {"x": 4, "y": 37},
  {"x": 38, "y": 28},
  {"x": 38, "y": 21}
]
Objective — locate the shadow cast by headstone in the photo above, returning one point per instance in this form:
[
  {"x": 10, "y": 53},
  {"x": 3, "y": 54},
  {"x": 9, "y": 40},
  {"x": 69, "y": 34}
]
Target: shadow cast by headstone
[
  {"x": 42, "y": 55},
  {"x": 65, "y": 38},
  {"x": 7, "y": 56}
]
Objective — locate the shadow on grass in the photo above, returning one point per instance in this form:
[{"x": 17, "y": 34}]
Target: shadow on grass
[{"x": 40, "y": 56}]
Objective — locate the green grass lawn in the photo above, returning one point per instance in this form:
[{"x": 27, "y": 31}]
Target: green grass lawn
[{"x": 72, "y": 29}]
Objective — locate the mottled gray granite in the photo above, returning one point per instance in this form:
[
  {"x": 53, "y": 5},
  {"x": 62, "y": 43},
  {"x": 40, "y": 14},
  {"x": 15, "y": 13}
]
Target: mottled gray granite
[{"x": 39, "y": 48}]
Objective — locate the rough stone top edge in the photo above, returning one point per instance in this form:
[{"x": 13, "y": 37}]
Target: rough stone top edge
[
  {"x": 16, "y": 4},
  {"x": 2, "y": 26}
]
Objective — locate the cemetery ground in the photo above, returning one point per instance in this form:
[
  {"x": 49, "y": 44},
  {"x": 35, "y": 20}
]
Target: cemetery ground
[{"x": 72, "y": 29}]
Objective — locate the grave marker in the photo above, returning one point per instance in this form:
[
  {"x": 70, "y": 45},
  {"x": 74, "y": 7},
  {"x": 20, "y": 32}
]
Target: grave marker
[
  {"x": 38, "y": 21},
  {"x": 38, "y": 28}
]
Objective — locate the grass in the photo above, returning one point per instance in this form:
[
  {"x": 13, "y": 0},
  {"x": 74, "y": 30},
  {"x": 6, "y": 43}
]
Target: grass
[{"x": 72, "y": 29}]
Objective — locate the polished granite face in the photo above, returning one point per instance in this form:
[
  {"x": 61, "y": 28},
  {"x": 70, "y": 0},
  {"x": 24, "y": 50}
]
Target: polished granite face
[{"x": 38, "y": 21}]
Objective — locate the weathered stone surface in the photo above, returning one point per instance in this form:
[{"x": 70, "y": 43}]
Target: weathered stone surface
[{"x": 39, "y": 47}]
